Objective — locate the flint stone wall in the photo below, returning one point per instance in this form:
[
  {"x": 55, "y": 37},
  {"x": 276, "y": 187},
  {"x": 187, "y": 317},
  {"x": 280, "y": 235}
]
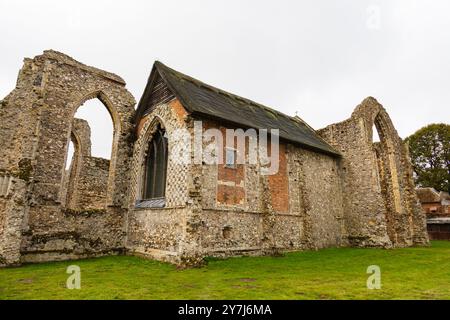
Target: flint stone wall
[
  {"x": 91, "y": 185},
  {"x": 85, "y": 184},
  {"x": 12, "y": 213},
  {"x": 61, "y": 234},
  {"x": 35, "y": 129},
  {"x": 380, "y": 204}
]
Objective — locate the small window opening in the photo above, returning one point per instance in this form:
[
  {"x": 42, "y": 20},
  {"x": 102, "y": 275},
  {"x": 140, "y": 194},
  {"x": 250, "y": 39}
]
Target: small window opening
[
  {"x": 226, "y": 232},
  {"x": 375, "y": 135},
  {"x": 230, "y": 158}
]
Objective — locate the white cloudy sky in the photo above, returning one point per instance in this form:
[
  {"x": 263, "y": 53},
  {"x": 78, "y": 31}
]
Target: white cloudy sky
[{"x": 318, "y": 58}]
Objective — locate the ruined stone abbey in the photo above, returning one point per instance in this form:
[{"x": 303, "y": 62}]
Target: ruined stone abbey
[{"x": 334, "y": 186}]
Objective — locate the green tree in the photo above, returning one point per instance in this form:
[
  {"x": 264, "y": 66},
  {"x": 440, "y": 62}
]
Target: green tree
[{"x": 430, "y": 154}]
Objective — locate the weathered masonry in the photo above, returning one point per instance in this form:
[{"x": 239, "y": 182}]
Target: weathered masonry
[
  {"x": 43, "y": 215},
  {"x": 334, "y": 187}
]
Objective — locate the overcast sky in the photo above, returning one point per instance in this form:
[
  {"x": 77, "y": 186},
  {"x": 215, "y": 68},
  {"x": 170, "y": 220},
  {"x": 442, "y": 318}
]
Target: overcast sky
[{"x": 317, "y": 58}]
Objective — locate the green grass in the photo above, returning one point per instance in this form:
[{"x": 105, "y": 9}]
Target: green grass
[{"x": 410, "y": 273}]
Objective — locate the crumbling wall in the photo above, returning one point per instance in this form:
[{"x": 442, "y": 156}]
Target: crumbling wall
[
  {"x": 157, "y": 232},
  {"x": 61, "y": 234},
  {"x": 19, "y": 125},
  {"x": 35, "y": 128},
  {"x": 12, "y": 213},
  {"x": 2, "y": 214},
  {"x": 81, "y": 140},
  {"x": 86, "y": 182},
  {"x": 316, "y": 196},
  {"x": 91, "y": 185},
  {"x": 380, "y": 204},
  {"x": 19, "y": 129}
]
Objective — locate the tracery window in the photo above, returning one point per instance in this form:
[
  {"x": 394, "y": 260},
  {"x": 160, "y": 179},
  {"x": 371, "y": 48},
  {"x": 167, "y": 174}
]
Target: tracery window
[{"x": 156, "y": 166}]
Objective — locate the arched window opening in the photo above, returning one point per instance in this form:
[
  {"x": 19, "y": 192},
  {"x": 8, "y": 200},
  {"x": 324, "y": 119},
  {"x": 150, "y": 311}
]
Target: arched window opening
[
  {"x": 375, "y": 135},
  {"x": 378, "y": 150},
  {"x": 156, "y": 166},
  {"x": 100, "y": 122},
  {"x": 67, "y": 172},
  {"x": 86, "y": 179},
  {"x": 70, "y": 153}
]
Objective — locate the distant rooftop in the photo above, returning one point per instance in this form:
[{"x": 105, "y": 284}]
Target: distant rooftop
[{"x": 430, "y": 195}]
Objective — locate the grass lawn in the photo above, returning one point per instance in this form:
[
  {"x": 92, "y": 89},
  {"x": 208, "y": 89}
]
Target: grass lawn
[{"x": 411, "y": 273}]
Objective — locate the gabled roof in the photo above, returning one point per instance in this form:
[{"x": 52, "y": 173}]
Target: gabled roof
[{"x": 207, "y": 101}]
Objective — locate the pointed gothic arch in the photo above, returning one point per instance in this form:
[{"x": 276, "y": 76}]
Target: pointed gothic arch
[
  {"x": 153, "y": 159},
  {"x": 121, "y": 117},
  {"x": 389, "y": 162},
  {"x": 155, "y": 165}
]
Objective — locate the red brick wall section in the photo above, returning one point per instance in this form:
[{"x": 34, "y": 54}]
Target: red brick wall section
[
  {"x": 176, "y": 105},
  {"x": 278, "y": 184},
  {"x": 436, "y": 209},
  {"x": 230, "y": 181},
  {"x": 430, "y": 207},
  {"x": 180, "y": 111}
]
